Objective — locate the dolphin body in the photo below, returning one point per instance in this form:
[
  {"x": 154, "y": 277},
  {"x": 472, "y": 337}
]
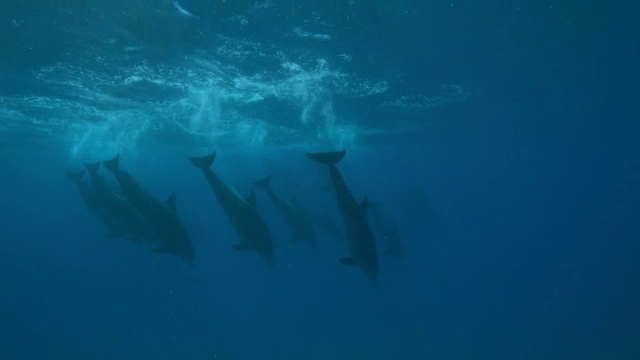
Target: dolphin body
[
  {"x": 360, "y": 240},
  {"x": 298, "y": 219},
  {"x": 130, "y": 224},
  {"x": 244, "y": 217},
  {"x": 167, "y": 229}
]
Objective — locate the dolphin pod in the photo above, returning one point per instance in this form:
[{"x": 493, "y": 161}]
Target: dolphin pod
[
  {"x": 132, "y": 213},
  {"x": 360, "y": 240}
]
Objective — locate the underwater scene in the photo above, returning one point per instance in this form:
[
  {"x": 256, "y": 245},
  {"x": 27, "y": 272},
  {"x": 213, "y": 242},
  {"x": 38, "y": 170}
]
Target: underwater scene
[{"x": 319, "y": 179}]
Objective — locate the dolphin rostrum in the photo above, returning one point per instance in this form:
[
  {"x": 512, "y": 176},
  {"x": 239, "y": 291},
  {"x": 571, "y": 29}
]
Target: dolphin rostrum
[
  {"x": 360, "y": 240},
  {"x": 242, "y": 214}
]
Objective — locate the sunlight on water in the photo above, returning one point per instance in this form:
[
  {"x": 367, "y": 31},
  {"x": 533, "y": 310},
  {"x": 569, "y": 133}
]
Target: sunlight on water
[
  {"x": 207, "y": 113},
  {"x": 119, "y": 133},
  {"x": 109, "y": 108}
]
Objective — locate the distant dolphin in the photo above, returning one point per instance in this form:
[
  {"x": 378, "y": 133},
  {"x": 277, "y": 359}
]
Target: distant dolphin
[
  {"x": 129, "y": 222},
  {"x": 388, "y": 230},
  {"x": 161, "y": 217},
  {"x": 301, "y": 221},
  {"x": 244, "y": 217},
  {"x": 360, "y": 240}
]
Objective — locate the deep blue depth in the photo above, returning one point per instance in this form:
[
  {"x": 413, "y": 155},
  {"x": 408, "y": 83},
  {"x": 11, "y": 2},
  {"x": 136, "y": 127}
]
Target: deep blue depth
[{"x": 501, "y": 139}]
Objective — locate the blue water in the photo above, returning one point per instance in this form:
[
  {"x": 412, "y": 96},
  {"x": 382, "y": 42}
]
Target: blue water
[{"x": 501, "y": 139}]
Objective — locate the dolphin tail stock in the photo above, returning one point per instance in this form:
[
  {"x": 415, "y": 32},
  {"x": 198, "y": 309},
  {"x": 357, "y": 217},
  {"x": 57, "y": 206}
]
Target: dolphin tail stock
[
  {"x": 263, "y": 183},
  {"x": 203, "y": 162},
  {"x": 75, "y": 175},
  {"x": 327, "y": 158},
  {"x": 92, "y": 167},
  {"x": 112, "y": 164}
]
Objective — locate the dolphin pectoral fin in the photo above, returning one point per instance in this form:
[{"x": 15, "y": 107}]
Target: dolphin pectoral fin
[
  {"x": 160, "y": 251},
  {"x": 203, "y": 162},
  {"x": 327, "y": 158},
  {"x": 251, "y": 199},
  {"x": 243, "y": 246},
  {"x": 348, "y": 261}
]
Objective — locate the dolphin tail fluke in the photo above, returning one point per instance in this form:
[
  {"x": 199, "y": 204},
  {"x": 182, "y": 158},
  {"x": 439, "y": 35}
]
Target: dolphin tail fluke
[
  {"x": 112, "y": 164},
  {"x": 327, "y": 158},
  {"x": 203, "y": 162},
  {"x": 263, "y": 183},
  {"x": 75, "y": 175},
  {"x": 92, "y": 167}
]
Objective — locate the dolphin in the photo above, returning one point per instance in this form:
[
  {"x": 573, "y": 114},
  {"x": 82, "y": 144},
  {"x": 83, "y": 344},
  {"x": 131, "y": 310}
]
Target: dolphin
[
  {"x": 244, "y": 217},
  {"x": 168, "y": 231},
  {"x": 301, "y": 221},
  {"x": 130, "y": 223},
  {"x": 360, "y": 240},
  {"x": 388, "y": 229}
]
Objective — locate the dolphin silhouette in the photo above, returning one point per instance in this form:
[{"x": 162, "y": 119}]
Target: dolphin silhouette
[
  {"x": 360, "y": 240},
  {"x": 299, "y": 220},
  {"x": 242, "y": 213}
]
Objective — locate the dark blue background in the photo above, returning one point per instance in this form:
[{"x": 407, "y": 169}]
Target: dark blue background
[{"x": 537, "y": 177}]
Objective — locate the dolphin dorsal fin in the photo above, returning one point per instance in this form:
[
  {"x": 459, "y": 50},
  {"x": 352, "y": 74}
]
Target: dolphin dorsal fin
[
  {"x": 251, "y": 199},
  {"x": 364, "y": 204},
  {"x": 171, "y": 202}
]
